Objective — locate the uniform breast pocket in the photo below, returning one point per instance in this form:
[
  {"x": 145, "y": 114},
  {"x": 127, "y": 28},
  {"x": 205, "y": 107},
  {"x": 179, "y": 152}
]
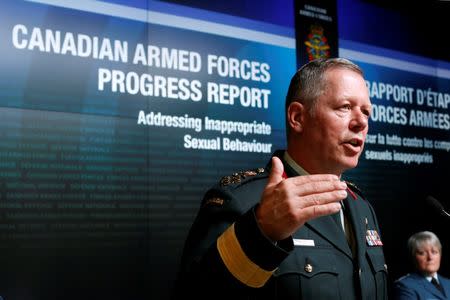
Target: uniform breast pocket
[
  {"x": 379, "y": 269},
  {"x": 308, "y": 274}
]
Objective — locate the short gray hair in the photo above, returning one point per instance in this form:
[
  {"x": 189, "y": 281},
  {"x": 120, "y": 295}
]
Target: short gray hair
[
  {"x": 420, "y": 238},
  {"x": 308, "y": 83}
]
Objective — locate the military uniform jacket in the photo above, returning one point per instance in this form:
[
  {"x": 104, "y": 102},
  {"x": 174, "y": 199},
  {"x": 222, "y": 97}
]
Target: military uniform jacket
[
  {"x": 415, "y": 286},
  {"x": 226, "y": 255}
]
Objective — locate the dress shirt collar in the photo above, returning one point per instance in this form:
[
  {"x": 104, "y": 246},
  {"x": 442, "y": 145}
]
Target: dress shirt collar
[{"x": 434, "y": 275}]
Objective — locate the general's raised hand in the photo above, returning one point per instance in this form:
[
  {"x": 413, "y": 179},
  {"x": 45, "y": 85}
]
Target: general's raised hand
[{"x": 286, "y": 204}]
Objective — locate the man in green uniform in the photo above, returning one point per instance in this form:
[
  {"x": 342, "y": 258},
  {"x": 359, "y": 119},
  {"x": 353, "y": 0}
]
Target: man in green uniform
[{"x": 295, "y": 230}]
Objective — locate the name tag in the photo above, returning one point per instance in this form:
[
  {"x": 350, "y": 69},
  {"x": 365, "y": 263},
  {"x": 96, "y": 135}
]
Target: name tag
[{"x": 303, "y": 242}]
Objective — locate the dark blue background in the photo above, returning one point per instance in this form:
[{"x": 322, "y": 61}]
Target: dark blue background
[{"x": 42, "y": 103}]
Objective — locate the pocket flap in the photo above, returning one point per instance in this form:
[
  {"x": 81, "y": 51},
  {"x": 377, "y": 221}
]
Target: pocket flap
[
  {"x": 308, "y": 263},
  {"x": 376, "y": 260}
]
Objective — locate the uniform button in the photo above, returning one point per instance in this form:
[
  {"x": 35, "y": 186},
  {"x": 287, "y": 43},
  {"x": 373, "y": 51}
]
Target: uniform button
[
  {"x": 359, "y": 272},
  {"x": 385, "y": 267},
  {"x": 308, "y": 268}
]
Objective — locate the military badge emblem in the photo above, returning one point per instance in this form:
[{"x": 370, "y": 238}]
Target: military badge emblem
[{"x": 317, "y": 44}]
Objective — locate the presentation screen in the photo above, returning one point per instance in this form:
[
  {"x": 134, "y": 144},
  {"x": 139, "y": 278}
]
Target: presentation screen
[
  {"x": 117, "y": 116},
  {"x": 115, "y": 119},
  {"x": 407, "y": 148}
]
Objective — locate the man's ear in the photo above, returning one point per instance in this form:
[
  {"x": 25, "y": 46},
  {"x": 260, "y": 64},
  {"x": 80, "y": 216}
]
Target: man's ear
[{"x": 295, "y": 116}]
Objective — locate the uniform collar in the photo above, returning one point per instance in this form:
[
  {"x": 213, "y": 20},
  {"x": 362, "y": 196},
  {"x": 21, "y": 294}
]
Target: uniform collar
[{"x": 297, "y": 168}]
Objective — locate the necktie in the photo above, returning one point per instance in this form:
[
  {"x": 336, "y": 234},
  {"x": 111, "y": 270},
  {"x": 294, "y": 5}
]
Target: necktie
[
  {"x": 337, "y": 219},
  {"x": 437, "y": 285},
  {"x": 349, "y": 233}
]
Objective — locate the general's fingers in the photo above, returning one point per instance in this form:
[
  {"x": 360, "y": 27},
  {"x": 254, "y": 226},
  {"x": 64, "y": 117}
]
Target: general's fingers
[
  {"x": 276, "y": 173},
  {"x": 315, "y": 211},
  {"x": 318, "y": 187},
  {"x": 298, "y": 180},
  {"x": 296, "y": 186},
  {"x": 319, "y": 199}
]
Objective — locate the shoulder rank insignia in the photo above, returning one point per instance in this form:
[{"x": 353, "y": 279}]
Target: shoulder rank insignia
[
  {"x": 351, "y": 188},
  {"x": 237, "y": 177},
  {"x": 214, "y": 201}
]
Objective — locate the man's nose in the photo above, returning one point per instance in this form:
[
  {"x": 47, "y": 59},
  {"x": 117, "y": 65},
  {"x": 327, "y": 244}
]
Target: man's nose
[{"x": 359, "y": 121}]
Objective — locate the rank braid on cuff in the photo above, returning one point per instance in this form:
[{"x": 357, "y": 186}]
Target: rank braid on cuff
[{"x": 237, "y": 262}]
